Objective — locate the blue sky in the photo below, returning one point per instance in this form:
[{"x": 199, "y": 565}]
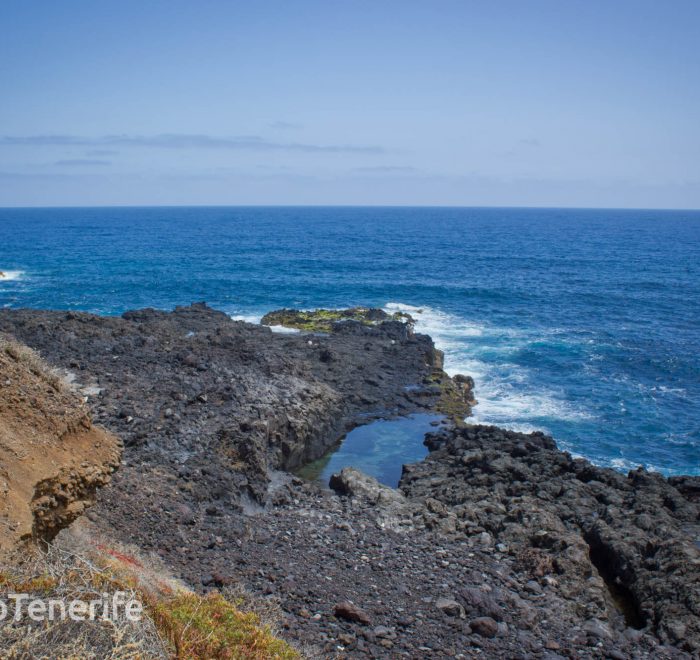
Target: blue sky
[{"x": 531, "y": 103}]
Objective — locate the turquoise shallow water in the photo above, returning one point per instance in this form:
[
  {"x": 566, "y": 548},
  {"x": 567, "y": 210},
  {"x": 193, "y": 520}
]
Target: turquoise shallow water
[{"x": 583, "y": 323}]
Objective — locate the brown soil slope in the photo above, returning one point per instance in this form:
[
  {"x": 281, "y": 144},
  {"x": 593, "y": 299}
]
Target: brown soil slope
[{"x": 52, "y": 459}]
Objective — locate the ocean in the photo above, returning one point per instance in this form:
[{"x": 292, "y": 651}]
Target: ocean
[{"x": 582, "y": 323}]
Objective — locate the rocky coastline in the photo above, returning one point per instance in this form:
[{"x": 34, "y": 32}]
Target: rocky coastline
[{"x": 496, "y": 545}]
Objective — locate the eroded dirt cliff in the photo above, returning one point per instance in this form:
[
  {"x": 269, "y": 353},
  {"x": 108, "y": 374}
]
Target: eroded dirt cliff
[{"x": 52, "y": 458}]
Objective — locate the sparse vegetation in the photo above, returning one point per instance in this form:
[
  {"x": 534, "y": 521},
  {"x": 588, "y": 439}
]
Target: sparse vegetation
[
  {"x": 177, "y": 623},
  {"x": 32, "y": 360},
  {"x": 212, "y": 627}
]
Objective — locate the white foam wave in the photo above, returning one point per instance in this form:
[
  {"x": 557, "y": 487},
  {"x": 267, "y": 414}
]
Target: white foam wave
[
  {"x": 670, "y": 390},
  {"x": 622, "y": 464},
  {"x": 248, "y": 318},
  {"x": 504, "y": 391},
  {"x": 10, "y": 275},
  {"x": 450, "y": 328},
  {"x": 499, "y": 407}
]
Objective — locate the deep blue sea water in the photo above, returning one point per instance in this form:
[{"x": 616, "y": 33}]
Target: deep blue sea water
[{"x": 583, "y": 323}]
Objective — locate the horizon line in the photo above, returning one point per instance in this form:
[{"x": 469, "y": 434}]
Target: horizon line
[{"x": 348, "y": 206}]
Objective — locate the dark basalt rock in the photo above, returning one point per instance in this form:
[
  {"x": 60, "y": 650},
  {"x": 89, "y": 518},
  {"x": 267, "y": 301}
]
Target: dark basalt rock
[
  {"x": 351, "y": 612},
  {"x": 484, "y": 626},
  {"x": 229, "y": 400},
  {"x": 620, "y": 549}
]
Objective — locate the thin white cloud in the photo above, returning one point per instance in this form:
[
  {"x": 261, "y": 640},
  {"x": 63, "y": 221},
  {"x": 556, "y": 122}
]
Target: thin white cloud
[
  {"x": 285, "y": 125},
  {"x": 182, "y": 141},
  {"x": 386, "y": 169},
  {"x": 82, "y": 162}
]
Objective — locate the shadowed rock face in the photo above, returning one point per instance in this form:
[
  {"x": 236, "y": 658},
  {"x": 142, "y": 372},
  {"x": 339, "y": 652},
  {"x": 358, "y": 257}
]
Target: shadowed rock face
[
  {"x": 614, "y": 544},
  {"x": 52, "y": 459}
]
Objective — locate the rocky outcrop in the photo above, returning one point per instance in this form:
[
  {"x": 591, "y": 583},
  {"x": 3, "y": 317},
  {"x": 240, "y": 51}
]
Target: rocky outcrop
[
  {"x": 353, "y": 482},
  {"x": 329, "y": 320},
  {"x": 392, "y": 510},
  {"x": 52, "y": 458},
  {"x": 207, "y": 406},
  {"x": 217, "y": 403},
  {"x": 623, "y": 551}
]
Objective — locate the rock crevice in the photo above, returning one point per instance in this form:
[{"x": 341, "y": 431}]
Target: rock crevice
[{"x": 605, "y": 538}]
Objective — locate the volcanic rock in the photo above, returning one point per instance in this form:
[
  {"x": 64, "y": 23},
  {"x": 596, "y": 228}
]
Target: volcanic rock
[{"x": 350, "y": 612}]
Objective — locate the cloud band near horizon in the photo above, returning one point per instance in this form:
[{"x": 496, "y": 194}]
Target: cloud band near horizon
[{"x": 182, "y": 141}]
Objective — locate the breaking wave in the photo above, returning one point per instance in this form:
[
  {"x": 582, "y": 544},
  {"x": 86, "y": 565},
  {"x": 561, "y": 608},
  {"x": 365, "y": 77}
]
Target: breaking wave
[
  {"x": 506, "y": 393},
  {"x": 10, "y": 275}
]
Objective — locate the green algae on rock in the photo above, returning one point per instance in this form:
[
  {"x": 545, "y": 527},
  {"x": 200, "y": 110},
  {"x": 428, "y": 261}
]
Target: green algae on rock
[
  {"x": 456, "y": 393},
  {"x": 323, "y": 320}
]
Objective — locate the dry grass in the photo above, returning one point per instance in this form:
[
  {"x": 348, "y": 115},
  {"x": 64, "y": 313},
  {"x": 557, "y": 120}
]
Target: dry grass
[
  {"x": 62, "y": 576},
  {"x": 177, "y": 623},
  {"x": 33, "y": 361}
]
